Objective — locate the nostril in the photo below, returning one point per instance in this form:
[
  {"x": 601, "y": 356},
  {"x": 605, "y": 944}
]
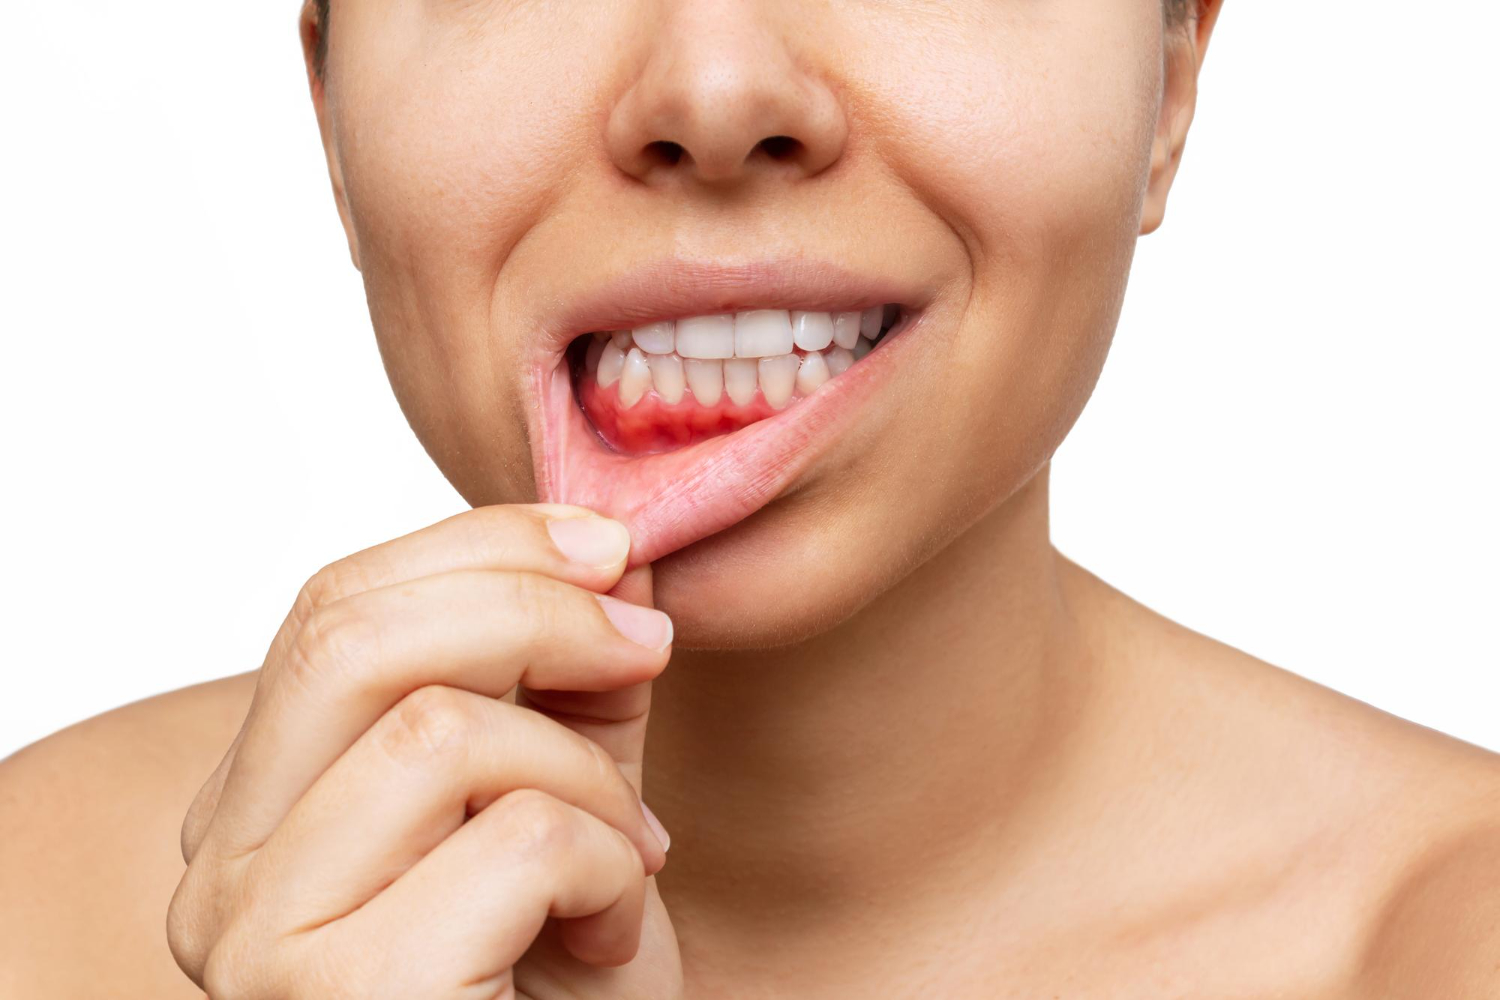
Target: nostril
[
  {"x": 780, "y": 147},
  {"x": 664, "y": 152}
]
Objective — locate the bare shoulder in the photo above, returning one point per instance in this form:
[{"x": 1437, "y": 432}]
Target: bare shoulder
[
  {"x": 1386, "y": 832},
  {"x": 1414, "y": 819},
  {"x": 1420, "y": 817},
  {"x": 89, "y": 843},
  {"x": 1438, "y": 934}
]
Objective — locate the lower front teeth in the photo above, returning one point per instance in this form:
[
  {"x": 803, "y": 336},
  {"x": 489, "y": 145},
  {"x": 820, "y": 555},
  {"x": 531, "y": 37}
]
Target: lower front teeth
[
  {"x": 812, "y": 373},
  {"x": 778, "y": 376},
  {"x": 635, "y": 378},
  {"x": 666, "y": 375},
  {"x": 740, "y": 378},
  {"x": 630, "y": 360},
  {"x": 705, "y": 379},
  {"x": 611, "y": 362}
]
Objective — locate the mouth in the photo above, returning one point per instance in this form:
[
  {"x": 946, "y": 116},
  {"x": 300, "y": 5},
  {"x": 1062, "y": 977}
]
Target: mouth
[
  {"x": 674, "y": 383},
  {"x": 682, "y": 399}
]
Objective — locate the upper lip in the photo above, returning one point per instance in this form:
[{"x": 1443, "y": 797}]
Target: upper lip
[{"x": 674, "y": 287}]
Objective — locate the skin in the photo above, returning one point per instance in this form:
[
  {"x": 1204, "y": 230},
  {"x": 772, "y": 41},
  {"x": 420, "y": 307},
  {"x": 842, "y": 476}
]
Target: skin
[{"x": 950, "y": 763}]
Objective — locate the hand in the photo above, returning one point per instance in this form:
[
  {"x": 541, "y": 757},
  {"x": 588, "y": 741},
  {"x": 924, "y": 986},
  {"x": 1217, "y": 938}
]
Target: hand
[{"x": 384, "y": 825}]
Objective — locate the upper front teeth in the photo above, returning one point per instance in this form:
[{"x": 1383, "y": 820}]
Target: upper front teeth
[
  {"x": 846, "y": 329},
  {"x": 762, "y": 333},
  {"x": 755, "y": 333},
  {"x": 704, "y": 337},
  {"x": 735, "y": 354},
  {"x": 812, "y": 331},
  {"x": 654, "y": 338}
]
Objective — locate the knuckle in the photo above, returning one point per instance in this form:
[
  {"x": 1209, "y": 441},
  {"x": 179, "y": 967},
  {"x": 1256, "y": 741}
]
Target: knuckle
[
  {"x": 198, "y": 821},
  {"x": 246, "y": 963},
  {"x": 538, "y": 825},
  {"x": 187, "y": 935},
  {"x": 229, "y": 972},
  {"x": 334, "y": 640},
  {"x": 628, "y": 851},
  {"x": 330, "y": 584},
  {"x": 606, "y": 770},
  {"x": 430, "y": 722},
  {"x": 195, "y": 823},
  {"x": 196, "y": 920},
  {"x": 539, "y": 605},
  {"x": 485, "y": 527}
]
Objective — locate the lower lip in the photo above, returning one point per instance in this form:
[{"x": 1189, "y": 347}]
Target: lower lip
[{"x": 672, "y": 499}]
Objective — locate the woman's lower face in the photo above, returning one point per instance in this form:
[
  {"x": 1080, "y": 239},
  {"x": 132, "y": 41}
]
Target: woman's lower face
[{"x": 798, "y": 291}]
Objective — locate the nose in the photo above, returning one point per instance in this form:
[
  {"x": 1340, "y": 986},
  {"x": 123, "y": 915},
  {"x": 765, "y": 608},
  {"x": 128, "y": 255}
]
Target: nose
[{"x": 723, "y": 96}]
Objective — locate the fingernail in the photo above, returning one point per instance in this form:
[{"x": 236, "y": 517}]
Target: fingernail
[
  {"x": 656, "y": 827},
  {"x": 647, "y": 626},
  {"x": 591, "y": 541}
]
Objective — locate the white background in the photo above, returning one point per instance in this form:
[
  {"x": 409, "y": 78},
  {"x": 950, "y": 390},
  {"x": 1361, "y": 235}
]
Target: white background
[{"x": 1293, "y": 446}]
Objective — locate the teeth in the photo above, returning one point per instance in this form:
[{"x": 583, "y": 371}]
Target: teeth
[
  {"x": 706, "y": 337},
  {"x": 635, "y": 378},
  {"x": 654, "y": 338},
  {"x": 735, "y": 354},
  {"x": 812, "y": 373},
  {"x": 591, "y": 358},
  {"x": 762, "y": 333},
  {"x": 755, "y": 333},
  {"x": 812, "y": 331},
  {"x": 705, "y": 378},
  {"x": 740, "y": 377},
  {"x": 845, "y": 329},
  {"x": 666, "y": 376},
  {"x": 611, "y": 361},
  {"x": 777, "y": 377}
]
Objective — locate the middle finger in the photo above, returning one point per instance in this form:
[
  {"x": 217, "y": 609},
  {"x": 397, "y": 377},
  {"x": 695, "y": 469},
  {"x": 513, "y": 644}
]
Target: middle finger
[
  {"x": 481, "y": 631},
  {"x": 437, "y": 758}
]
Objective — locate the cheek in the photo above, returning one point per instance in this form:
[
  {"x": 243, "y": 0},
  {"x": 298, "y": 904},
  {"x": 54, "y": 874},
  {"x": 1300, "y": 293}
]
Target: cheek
[
  {"x": 1038, "y": 164},
  {"x": 1030, "y": 135},
  {"x": 452, "y": 142},
  {"x": 1034, "y": 142}
]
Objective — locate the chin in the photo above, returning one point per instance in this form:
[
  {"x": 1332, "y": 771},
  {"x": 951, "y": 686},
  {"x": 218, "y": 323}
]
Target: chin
[{"x": 782, "y": 576}]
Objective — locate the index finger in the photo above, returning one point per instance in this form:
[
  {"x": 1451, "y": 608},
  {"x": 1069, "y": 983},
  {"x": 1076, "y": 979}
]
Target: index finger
[{"x": 568, "y": 543}]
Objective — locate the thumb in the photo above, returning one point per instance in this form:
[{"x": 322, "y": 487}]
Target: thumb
[{"x": 616, "y": 720}]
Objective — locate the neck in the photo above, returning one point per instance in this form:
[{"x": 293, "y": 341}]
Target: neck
[{"x": 802, "y": 782}]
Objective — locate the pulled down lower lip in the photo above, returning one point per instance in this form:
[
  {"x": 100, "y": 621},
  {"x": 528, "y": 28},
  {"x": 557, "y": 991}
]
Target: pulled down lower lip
[{"x": 670, "y": 497}]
